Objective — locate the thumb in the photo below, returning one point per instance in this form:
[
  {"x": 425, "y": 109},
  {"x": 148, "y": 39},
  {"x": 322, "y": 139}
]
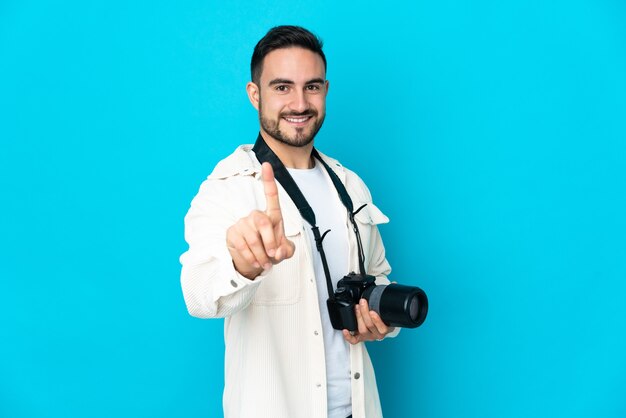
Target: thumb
[{"x": 285, "y": 250}]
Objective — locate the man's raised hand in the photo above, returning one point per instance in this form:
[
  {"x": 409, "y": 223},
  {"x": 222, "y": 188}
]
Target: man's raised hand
[{"x": 258, "y": 240}]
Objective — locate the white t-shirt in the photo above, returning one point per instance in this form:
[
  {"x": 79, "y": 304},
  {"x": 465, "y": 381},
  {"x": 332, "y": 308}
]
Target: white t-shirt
[{"x": 320, "y": 193}]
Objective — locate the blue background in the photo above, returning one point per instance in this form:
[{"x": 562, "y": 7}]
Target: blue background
[{"x": 491, "y": 133}]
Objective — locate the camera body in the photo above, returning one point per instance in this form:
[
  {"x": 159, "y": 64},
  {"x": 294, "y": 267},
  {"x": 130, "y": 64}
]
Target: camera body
[{"x": 397, "y": 305}]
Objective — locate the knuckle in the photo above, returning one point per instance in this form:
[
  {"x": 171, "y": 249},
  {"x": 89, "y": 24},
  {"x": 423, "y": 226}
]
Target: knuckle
[
  {"x": 263, "y": 221},
  {"x": 253, "y": 240},
  {"x": 254, "y": 217}
]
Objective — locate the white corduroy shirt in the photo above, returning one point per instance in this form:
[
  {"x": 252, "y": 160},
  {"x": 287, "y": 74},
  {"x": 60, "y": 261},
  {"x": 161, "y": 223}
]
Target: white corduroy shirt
[{"x": 275, "y": 362}]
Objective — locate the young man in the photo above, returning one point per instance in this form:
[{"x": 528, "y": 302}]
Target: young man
[{"x": 253, "y": 258}]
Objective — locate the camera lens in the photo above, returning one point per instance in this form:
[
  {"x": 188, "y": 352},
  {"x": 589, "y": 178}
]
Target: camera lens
[
  {"x": 413, "y": 309},
  {"x": 398, "y": 305}
]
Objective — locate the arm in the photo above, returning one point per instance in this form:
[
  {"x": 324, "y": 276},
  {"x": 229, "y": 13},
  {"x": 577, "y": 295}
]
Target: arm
[
  {"x": 229, "y": 257},
  {"x": 211, "y": 285}
]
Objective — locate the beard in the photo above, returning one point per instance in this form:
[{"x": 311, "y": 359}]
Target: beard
[{"x": 303, "y": 136}]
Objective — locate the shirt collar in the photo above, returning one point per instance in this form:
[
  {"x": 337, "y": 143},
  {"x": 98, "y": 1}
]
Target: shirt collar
[{"x": 243, "y": 162}]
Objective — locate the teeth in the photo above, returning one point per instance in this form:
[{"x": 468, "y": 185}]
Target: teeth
[{"x": 297, "y": 120}]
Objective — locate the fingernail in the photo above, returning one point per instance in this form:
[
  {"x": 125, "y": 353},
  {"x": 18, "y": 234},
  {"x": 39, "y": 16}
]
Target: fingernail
[
  {"x": 267, "y": 266},
  {"x": 271, "y": 253},
  {"x": 256, "y": 265},
  {"x": 278, "y": 254}
]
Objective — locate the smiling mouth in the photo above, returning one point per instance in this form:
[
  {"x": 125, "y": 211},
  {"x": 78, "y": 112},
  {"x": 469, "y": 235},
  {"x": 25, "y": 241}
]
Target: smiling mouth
[{"x": 298, "y": 120}]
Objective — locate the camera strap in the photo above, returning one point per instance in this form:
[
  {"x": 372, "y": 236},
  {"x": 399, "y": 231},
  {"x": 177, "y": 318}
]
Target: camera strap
[{"x": 265, "y": 154}]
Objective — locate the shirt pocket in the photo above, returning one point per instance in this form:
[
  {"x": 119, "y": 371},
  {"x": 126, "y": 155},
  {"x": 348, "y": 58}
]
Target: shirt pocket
[
  {"x": 370, "y": 214},
  {"x": 282, "y": 286}
]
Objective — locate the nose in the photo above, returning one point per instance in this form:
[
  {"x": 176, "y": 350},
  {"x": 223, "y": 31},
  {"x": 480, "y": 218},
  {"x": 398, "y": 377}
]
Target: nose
[{"x": 299, "y": 103}]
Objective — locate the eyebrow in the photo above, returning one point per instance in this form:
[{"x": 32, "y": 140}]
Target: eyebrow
[
  {"x": 287, "y": 81},
  {"x": 315, "y": 81}
]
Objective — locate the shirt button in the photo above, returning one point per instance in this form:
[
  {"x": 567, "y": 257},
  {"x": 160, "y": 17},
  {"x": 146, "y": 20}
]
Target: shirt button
[
  {"x": 357, "y": 375},
  {"x": 234, "y": 283},
  {"x": 316, "y": 333},
  {"x": 319, "y": 385}
]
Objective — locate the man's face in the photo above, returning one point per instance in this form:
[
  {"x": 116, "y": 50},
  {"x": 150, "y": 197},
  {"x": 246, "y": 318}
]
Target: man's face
[{"x": 292, "y": 95}]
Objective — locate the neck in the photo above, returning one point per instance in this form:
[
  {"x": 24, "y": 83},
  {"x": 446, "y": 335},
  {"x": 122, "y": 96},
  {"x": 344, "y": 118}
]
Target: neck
[{"x": 290, "y": 156}]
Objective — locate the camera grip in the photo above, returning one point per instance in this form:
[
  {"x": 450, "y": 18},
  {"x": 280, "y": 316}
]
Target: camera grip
[{"x": 342, "y": 315}]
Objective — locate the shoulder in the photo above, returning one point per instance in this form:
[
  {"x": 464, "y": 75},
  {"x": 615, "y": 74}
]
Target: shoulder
[
  {"x": 358, "y": 191},
  {"x": 355, "y": 186},
  {"x": 236, "y": 173},
  {"x": 242, "y": 162},
  {"x": 233, "y": 185}
]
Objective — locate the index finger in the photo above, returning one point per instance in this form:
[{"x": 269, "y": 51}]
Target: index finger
[{"x": 271, "y": 192}]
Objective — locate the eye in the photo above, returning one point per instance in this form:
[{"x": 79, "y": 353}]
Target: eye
[
  {"x": 313, "y": 87},
  {"x": 282, "y": 88}
]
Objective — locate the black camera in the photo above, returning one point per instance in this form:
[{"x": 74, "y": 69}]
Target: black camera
[{"x": 397, "y": 305}]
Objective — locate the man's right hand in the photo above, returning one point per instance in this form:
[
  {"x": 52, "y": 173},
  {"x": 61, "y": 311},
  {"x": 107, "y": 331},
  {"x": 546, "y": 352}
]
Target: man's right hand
[{"x": 258, "y": 240}]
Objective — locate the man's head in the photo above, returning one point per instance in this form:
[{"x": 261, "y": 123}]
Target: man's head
[
  {"x": 283, "y": 37},
  {"x": 289, "y": 85}
]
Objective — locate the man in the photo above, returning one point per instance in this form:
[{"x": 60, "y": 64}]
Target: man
[{"x": 253, "y": 259}]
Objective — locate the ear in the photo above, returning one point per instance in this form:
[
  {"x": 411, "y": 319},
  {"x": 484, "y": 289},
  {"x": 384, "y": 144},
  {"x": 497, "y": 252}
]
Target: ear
[
  {"x": 327, "y": 86},
  {"x": 253, "y": 94}
]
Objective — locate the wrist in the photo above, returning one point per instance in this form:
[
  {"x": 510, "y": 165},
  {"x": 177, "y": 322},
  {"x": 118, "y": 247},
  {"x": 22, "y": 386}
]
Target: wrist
[{"x": 249, "y": 272}]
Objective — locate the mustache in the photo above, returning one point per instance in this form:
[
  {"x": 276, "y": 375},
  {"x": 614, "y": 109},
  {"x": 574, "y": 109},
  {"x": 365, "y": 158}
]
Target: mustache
[{"x": 296, "y": 114}]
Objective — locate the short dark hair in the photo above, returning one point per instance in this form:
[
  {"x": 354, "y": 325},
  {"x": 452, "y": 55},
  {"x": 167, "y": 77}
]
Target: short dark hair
[{"x": 283, "y": 37}]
